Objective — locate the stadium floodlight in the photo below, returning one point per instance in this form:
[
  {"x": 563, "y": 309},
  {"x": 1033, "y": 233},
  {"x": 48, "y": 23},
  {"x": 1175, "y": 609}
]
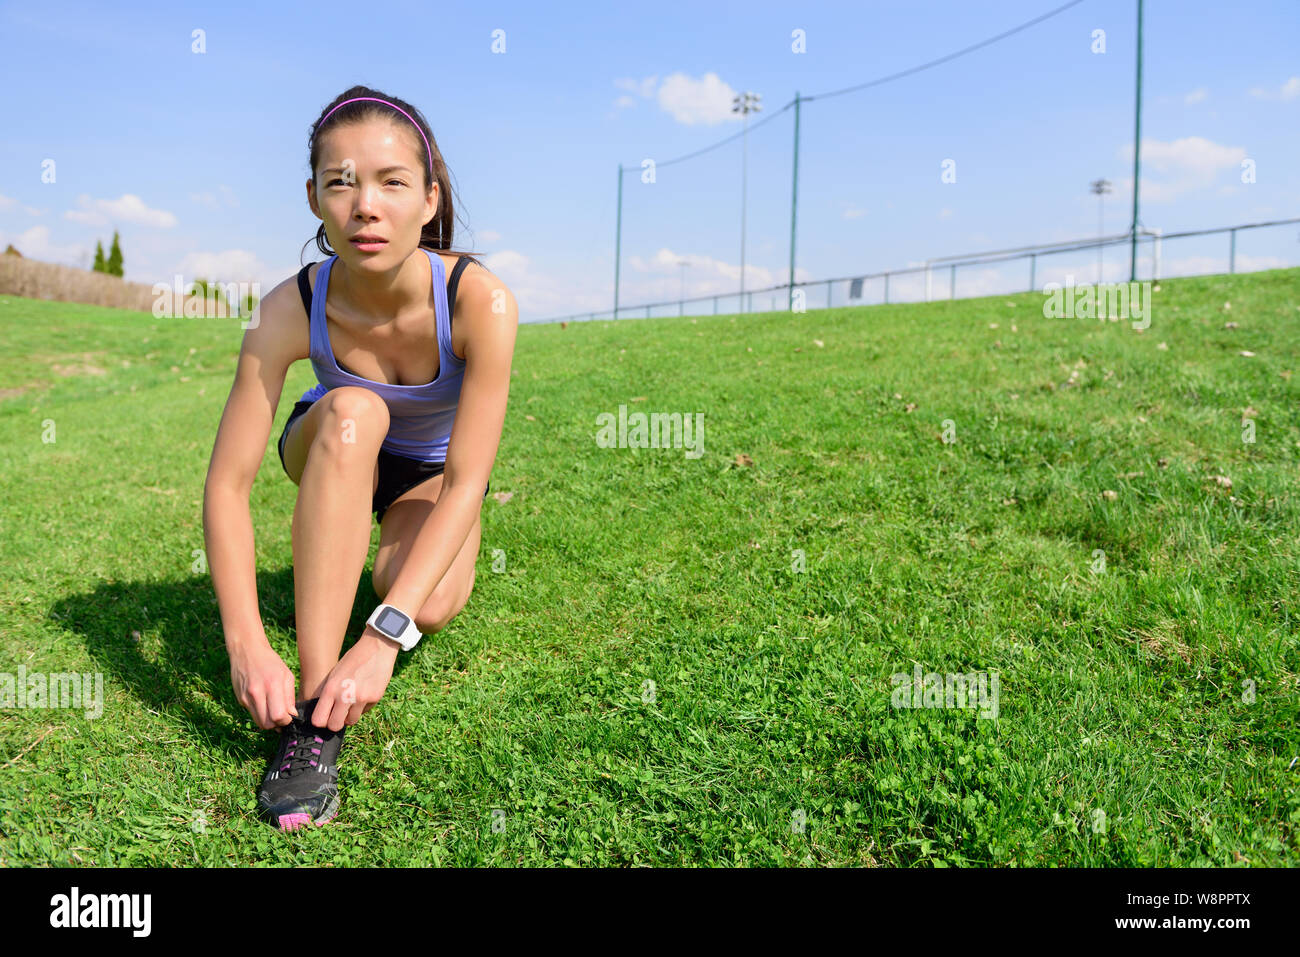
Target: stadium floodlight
[
  {"x": 744, "y": 104},
  {"x": 1101, "y": 187}
]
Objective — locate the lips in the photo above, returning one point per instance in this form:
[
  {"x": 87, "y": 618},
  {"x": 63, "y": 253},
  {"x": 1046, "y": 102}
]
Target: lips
[{"x": 366, "y": 240}]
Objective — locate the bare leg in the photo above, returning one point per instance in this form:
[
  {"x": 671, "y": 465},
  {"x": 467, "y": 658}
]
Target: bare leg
[{"x": 331, "y": 521}]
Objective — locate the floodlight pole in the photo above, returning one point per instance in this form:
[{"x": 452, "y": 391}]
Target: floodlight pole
[
  {"x": 618, "y": 238},
  {"x": 1100, "y": 187},
  {"x": 744, "y": 104},
  {"x": 1137, "y": 153},
  {"x": 794, "y": 195}
]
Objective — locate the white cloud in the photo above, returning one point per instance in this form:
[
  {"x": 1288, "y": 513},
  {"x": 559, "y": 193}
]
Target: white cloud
[
  {"x": 705, "y": 276},
  {"x": 1289, "y": 91},
  {"x": 10, "y": 205},
  {"x": 1186, "y": 165},
  {"x": 705, "y": 101},
  {"x": 229, "y": 265},
  {"x": 1196, "y": 96},
  {"x": 852, "y": 213},
  {"x": 35, "y": 243},
  {"x": 233, "y": 265},
  {"x": 644, "y": 88},
  {"x": 128, "y": 208},
  {"x": 1205, "y": 265},
  {"x": 543, "y": 293},
  {"x": 507, "y": 263}
]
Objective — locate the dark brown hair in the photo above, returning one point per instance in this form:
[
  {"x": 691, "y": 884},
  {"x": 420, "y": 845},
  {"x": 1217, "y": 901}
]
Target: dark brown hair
[{"x": 437, "y": 232}]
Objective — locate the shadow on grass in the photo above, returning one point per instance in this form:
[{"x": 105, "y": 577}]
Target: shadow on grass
[{"x": 178, "y": 666}]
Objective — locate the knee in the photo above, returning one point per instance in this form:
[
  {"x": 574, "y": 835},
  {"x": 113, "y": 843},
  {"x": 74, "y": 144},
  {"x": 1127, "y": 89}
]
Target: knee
[
  {"x": 436, "y": 614},
  {"x": 443, "y": 605},
  {"x": 354, "y": 418}
]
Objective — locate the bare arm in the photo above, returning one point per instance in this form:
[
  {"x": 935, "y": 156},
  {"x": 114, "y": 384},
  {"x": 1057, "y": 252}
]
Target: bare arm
[
  {"x": 277, "y": 338},
  {"x": 472, "y": 448}
]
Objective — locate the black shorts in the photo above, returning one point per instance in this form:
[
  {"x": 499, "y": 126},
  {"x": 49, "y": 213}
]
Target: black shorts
[{"x": 398, "y": 474}]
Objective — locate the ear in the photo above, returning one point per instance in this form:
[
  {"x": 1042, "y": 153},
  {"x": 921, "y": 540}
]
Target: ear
[
  {"x": 311, "y": 199},
  {"x": 432, "y": 203}
]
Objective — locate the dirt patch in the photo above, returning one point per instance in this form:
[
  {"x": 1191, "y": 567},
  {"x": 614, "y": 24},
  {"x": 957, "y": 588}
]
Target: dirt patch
[
  {"x": 74, "y": 363},
  {"x": 1163, "y": 640},
  {"x": 15, "y": 392}
]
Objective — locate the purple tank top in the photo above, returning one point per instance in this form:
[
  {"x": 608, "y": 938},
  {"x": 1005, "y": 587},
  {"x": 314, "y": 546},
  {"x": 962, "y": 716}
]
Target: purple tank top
[{"x": 420, "y": 416}]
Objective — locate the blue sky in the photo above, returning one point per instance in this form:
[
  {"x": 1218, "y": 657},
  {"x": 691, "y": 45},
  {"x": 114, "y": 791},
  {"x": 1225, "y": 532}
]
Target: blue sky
[{"x": 200, "y": 159}]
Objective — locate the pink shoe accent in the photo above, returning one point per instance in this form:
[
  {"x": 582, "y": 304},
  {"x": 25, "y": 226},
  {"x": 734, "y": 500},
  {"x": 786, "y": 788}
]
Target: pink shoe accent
[{"x": 291, "y": 822}]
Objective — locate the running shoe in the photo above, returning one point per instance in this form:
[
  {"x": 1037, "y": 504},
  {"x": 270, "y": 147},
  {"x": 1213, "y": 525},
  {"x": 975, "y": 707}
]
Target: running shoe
[{"x": 301, "y": 782}]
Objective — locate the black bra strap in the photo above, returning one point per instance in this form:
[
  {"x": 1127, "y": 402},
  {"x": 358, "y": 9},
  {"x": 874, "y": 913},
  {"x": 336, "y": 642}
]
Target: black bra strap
[
  {"x": 451, "y": 286},
  {"x": 304, "y": 289}
]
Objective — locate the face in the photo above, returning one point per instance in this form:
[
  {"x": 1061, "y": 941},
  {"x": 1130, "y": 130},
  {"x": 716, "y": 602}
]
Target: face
[{"x": 351, "y": 195}]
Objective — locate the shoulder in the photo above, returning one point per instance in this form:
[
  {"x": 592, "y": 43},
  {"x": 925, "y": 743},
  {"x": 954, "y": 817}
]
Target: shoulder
[
  {"x": 279, "y": 325},
  {"x": 280, "y": 299},
  {"x": 484, "y": 293}
]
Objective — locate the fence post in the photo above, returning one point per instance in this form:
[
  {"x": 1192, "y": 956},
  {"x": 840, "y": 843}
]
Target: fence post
[
  {"x": 1232, "y": 250},
  {"x": 715, "y": 305},
  {"x": 952, "y": 281},
  {"x": 1033, "y": 268},
  {"x": 647, "y": 312},
  {"x": 886, "y": 289},
  {"x": 829, "y": 287}
]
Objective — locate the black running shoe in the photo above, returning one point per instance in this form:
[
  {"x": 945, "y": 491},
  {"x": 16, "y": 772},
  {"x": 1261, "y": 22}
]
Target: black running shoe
[{"x": 301, "y": 782}]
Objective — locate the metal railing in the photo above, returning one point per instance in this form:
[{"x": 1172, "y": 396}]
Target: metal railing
[{"x": 779, "y": 295}]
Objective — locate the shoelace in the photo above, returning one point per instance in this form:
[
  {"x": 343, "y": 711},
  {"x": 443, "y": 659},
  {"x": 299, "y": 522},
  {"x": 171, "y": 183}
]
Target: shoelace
[{"x": 302, "y": 751}]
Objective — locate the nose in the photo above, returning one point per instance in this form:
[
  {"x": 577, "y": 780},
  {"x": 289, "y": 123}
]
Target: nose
[{"x": 365, "y": 201}]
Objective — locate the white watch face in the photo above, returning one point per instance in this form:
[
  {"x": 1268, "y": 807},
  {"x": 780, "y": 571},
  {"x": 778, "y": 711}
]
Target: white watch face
[{"x": 392, "y": 623}]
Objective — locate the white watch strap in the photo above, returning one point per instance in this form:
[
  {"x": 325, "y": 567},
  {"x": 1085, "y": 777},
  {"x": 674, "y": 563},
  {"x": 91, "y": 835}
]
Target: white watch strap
[{"x": 410, "y": 635}]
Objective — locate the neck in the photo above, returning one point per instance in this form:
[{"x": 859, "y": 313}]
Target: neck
[{"x": 381, "y": 294}]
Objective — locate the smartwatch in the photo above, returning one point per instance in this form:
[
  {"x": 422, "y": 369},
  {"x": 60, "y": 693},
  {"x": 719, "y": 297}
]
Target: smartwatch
[{"x": 394, "y": 624}]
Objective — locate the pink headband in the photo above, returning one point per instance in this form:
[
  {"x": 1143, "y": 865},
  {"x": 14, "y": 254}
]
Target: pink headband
[{"x": 398, "y": 109}]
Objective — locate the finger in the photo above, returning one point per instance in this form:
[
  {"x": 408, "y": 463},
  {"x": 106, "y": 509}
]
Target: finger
[
  {"x": 288, "y": 693},
  {"x": 275, "y": 708},
  {"x": 324, "y": 704},
  {"x": 257, "y": 708},
  {"x": 338, "y": 716},
  {"x": 354, "y": 713}
]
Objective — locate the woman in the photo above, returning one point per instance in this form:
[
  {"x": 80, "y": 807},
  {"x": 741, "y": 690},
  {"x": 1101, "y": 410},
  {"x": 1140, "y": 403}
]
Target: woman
[{"x": 405, "y": 422}]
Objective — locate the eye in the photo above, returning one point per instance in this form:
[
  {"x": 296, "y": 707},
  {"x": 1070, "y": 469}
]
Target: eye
[{"x": 338, "y": 180}]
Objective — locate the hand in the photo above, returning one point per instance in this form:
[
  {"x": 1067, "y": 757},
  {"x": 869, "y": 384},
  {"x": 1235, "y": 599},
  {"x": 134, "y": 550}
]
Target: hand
[
  {"x": 357, "y": 682},
  {"x": 263, "y": 683}
]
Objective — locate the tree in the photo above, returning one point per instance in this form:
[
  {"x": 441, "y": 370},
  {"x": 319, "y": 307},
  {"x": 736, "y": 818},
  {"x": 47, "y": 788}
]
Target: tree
[
  {"x": 114, "y": 267},
  {"x": 99, "y": 257}
]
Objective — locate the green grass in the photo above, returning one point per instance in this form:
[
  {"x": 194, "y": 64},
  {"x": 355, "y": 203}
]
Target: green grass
[{"x": 1121, "y": 691}]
